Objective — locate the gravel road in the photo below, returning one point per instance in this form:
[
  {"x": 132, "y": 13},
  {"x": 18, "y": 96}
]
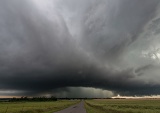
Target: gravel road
[{"x": 77, "y": 108}]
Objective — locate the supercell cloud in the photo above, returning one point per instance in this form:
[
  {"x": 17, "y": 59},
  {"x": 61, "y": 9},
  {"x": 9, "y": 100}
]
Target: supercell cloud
[{"x": 93, "y": 48}]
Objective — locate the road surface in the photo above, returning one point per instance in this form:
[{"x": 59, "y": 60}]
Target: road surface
[{"x": 78, "y": 108}]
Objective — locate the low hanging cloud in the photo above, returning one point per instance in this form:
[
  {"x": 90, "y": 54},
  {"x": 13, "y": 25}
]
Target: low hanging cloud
[{"x": 59, "y": 47}]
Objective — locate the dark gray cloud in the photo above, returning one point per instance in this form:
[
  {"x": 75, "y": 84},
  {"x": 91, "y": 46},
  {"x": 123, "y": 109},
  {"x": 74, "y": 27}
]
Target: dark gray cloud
[{"x": 61, "y": 47}]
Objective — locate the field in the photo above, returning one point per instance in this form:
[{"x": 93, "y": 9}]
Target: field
[
  {"x": 123, "y": 106},
  {"x": 34, "y": 107},
  {"x": 92, "y": 106}
]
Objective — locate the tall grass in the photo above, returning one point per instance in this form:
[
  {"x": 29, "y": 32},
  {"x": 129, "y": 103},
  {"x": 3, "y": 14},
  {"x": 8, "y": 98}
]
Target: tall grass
[
  {"x": 123, "y": 106},
  {"x": 35, "y": 107}
]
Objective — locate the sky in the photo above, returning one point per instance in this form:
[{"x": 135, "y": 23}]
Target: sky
[{"x": 79, "y": 48}]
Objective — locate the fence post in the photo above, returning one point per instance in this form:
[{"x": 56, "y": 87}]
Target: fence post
[
  {"x": 6, "y": 110},
  {"x": 22, "y": 108}
]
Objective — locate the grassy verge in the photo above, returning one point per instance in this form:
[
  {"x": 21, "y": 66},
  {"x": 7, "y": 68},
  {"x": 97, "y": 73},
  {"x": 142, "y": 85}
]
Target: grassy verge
[
  {"x": 122, "y": 106},
  {"x": 35, "y": 107},
  {"x": 91, "y": 109},
  {"x": 94, "y": 108}
]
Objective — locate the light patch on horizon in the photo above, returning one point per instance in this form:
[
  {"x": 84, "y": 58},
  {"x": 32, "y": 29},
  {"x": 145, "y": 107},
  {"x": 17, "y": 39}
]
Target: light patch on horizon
[{"x": 138, "y": 97}]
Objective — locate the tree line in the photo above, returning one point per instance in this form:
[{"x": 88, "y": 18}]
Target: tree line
[{"x": 25, "y": 98}]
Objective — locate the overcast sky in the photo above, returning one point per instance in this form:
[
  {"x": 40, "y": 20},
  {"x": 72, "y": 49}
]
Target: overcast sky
[{"x": 79, "y": 48}]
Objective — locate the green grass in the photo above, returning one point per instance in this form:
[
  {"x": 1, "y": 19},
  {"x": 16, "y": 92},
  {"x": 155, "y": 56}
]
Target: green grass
[
  {"x": 35, "y": 107},
  {"x": 123, "y": 106}
]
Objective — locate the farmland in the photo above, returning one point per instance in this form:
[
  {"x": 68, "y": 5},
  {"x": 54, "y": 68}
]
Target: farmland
[
  {"x": 123, "y": 106},
  {"x": 92, "y": 106},
  {"x": 35, "y": 107}
]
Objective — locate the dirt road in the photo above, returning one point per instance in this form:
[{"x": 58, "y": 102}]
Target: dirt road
[{"x": 78, "y": 108}]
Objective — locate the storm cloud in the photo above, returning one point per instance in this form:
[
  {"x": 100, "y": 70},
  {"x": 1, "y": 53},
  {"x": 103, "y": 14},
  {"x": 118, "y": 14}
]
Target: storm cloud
[{"x": 79, "y": 48}]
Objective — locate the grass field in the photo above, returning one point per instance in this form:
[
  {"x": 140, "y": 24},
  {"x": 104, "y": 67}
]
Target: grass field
[
  {"x": 123, "y": 106},
  {"x": 35, "y": 107}
]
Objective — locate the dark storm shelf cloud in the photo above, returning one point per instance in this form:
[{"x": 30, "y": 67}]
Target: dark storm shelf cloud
[{"x": 46, "y": 45}]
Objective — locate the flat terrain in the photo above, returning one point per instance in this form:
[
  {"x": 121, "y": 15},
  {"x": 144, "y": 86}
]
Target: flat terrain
[
  {"x": 92, "y": 106},
  {"x": 35, "y": 107},
  {"x": 123, "y": 106},
  {"x": 78, "y": 108}
]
